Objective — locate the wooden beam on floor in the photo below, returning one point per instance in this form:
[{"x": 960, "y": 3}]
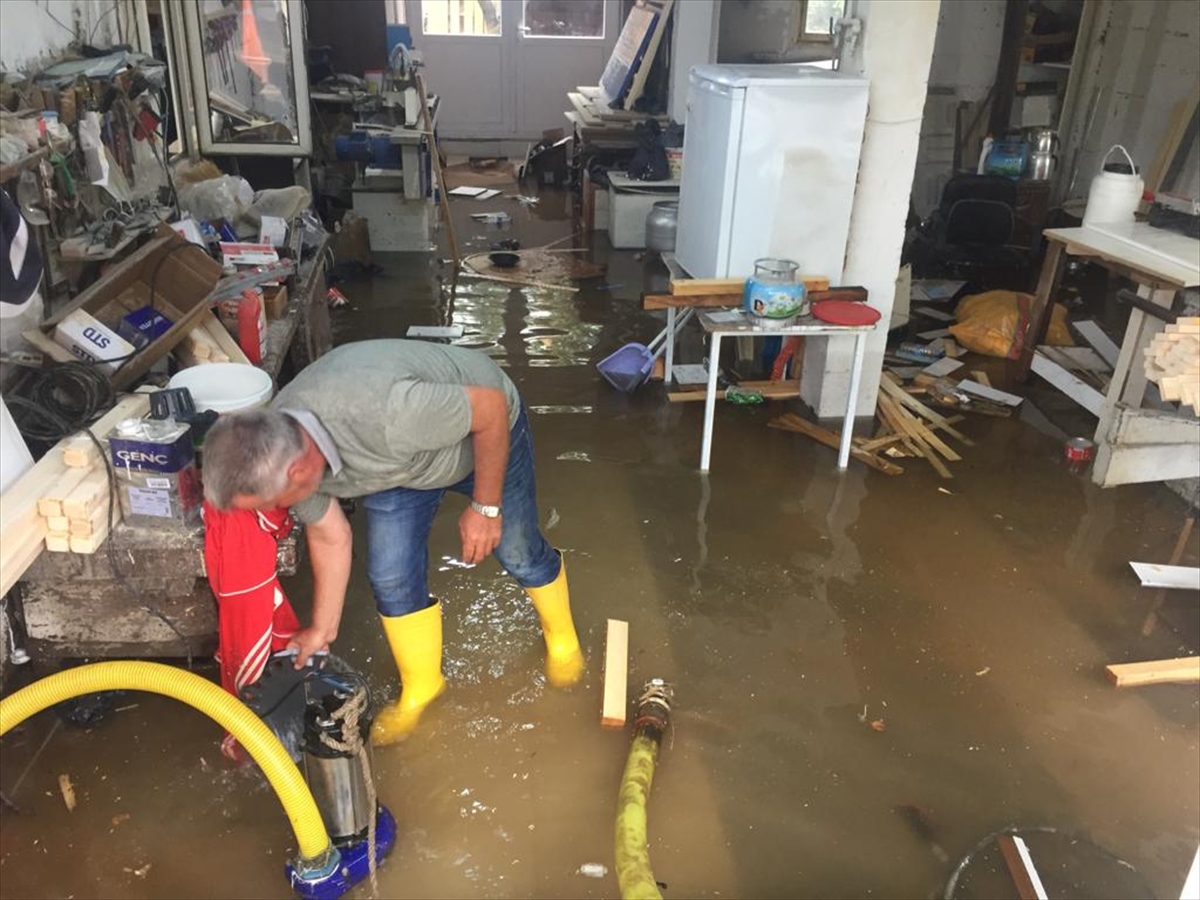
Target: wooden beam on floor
[
  {"x": 1183, "y": 670},
  {"x": 1020, "y": 867},
  {"x": 616, "y": 675},
  {"x": 793, "y": 422}
]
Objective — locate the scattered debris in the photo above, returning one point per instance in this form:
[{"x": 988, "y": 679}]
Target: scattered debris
[
  {"x": 68, "y": 791},
  {"x": 553, "y": 519},
  {"x": 592, "y": 870},
  {"x": 878, "y": 725},
  {"x": 140, "y": 873},
  {"x": 942, "y": 490},
  {"x": 121, "y": 817},
  {"x": 574, "y": 456},
  {"x": 984, "y": 670}
]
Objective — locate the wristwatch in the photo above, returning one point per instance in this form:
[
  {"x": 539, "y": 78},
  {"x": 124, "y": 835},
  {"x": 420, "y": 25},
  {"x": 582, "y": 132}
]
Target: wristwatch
[{"x": 490, "y": 512}]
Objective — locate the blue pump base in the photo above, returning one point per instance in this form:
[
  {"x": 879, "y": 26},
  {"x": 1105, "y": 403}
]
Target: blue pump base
[{"x": 346, "y": 867}]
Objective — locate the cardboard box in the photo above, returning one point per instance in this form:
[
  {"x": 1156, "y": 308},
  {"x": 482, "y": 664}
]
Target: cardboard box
[
  {"x": 92, "y": 341},
  {"x": 275, "y": 301},
  {"x": 175, "y": 282}
]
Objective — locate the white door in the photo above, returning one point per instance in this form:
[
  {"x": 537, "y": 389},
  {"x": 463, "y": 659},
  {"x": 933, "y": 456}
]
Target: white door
[{"x": 503, "y": 67}]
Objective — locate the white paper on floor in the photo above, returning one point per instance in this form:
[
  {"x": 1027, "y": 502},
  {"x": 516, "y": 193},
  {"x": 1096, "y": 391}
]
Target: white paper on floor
[
  {"x": 435, "y": 331},
  {"x": 690, "y": 374}
]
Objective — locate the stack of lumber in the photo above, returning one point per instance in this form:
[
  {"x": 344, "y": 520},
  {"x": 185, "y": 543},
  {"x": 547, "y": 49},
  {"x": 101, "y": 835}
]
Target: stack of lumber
[
  {"x": 916, "y": 426},
  {"x": 908, "y": 428},
  {"x": 59, "y": 478},
  {"x": 209, "y": 342},
  {"x": 1173, "y": 363},
  {"x": 76, "y": 507}
]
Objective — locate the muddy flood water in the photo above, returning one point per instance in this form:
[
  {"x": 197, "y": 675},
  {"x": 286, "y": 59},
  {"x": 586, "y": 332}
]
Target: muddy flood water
[{"x": 872, "y": 675}]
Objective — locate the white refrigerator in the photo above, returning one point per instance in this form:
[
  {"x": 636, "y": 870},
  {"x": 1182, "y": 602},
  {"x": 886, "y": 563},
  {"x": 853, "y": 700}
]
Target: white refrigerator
[{"x": 770, "y": 162}]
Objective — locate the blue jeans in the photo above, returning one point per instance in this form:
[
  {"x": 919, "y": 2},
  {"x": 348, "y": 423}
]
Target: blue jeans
[{"x": 399, "y": 520}]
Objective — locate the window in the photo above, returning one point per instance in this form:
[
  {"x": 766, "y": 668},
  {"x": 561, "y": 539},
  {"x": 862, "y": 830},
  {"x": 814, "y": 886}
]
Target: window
[
  {"x": 563, "y": 18},
  {"x": 820, "y": 16},
  {"x": 479, "y": 18}
]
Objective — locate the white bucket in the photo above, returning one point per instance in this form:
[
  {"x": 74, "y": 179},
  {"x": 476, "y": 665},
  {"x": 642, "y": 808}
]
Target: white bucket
[
  {"x": 1114, "y": 196},
  {"x": 225, "y": 387}
]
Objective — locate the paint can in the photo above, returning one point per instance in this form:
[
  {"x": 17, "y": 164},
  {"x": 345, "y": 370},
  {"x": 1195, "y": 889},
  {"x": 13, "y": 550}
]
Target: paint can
[{"x": 1078, "y": 452}]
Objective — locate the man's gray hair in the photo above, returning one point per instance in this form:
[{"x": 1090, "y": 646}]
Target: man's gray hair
[{"x": 249, "y": 453}]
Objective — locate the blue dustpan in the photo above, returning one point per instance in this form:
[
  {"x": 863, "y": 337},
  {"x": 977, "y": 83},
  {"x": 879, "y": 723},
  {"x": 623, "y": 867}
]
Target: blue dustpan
[{"x": 628, "y": 367}]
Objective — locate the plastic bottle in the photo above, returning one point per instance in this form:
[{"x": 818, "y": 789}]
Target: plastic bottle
[
  {"x": 988, "y": 142},
  {"x": 252, "y": 326}
]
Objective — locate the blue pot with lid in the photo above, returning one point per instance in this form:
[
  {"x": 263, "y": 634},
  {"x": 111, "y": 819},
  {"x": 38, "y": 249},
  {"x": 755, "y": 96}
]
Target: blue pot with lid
[{"x": 775, "y": 294}]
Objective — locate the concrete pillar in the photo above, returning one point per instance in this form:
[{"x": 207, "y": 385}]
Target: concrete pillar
[
  {"x": 694, "y": 43},
  {"x": 894, "y": 52}
]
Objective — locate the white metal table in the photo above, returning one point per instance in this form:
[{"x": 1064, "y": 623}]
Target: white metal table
[{"x": 720, "y": 324}]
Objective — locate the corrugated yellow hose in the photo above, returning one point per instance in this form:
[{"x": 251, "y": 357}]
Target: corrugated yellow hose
[
  {"x": 634, "y": 873},
  {"x": 224, "y": 709}
]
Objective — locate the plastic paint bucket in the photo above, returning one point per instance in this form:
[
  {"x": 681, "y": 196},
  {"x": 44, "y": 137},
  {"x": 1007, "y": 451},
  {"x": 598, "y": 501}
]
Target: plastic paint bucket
[
  {"x": 1114, "y": 196},
  {"x": 225, "y": 387}
]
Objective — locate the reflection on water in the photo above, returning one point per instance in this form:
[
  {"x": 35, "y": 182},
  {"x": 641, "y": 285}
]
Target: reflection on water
[{"x": 541, "y": 328}]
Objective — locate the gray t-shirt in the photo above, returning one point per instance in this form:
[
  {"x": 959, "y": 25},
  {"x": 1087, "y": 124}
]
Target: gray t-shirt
[{"x": 390, "y": 413}]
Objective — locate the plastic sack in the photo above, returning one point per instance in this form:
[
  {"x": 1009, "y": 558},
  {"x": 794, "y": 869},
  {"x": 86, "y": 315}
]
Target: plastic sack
[
  {"x": 995, "y": 324},
  {"x": 226, "y": 197}
]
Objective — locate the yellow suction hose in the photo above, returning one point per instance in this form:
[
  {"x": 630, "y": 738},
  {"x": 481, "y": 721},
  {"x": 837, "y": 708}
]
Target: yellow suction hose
[{"x": 222, "y": 708}]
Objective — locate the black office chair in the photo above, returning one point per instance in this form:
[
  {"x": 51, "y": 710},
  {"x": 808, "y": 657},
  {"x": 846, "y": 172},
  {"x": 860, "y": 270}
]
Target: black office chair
[{"x": 967, "y": 235}]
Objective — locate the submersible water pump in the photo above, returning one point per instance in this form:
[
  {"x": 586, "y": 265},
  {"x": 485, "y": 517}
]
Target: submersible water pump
[{"x": 322, "y": 714}]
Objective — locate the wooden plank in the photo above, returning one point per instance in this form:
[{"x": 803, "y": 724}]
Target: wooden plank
[
  {"x": 18, "y": 505},
  {"x": 435, "y": 159},
  {"x": 1042, "y": 304},
  {"x": 44, "y": 343},
  {"x": 19, "y": 554},
  {"x": 115, "y": 280},
  {"x": 1184, "y": 578},
  {"x": 616, "y": 675},
  {"x": 1182, "y": 114},
  {"x": 878, "y": 443},
  {"x": 793, "y": 422},
  {"x": 904, "y": 423},
  {"x": 51, "y": 502},
  {"x": 990, "y": 393},
  {"x": 1020, "y": 867},
  {"x": 782, "y": 390},
  {"x": 98, "y": 522},
  {"x": 1083, "y": 394},
  {"x": 1160, "y": 596},
  {"x": 80, "y": 452},
  {"x": 1185, "y": 669},
  {"x": 936, "y": 419},
  {"x": 58, "y": 542},
  {"x": 690, "y": 287},
  {"x": 1100, "y": 341},
  {"x": 58, "y": 523},
  {"x": 816, "y": 286},
  {"x": 88, "y": 495},
  {"x": 223, "y": 339}
]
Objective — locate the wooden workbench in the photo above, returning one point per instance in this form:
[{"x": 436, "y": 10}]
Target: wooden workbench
[
  {"x": 1133, "y": 444},
  {"x": 76, "y": 605}
]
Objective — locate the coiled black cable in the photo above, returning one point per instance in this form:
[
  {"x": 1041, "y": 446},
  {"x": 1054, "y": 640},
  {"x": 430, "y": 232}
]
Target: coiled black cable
[{"x": 58, "y": 401}]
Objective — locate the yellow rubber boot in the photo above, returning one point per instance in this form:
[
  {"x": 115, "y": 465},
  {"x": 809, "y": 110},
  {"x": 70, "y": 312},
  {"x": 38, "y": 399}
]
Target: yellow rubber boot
[
  {"x": 416, "y": 642},
  {"x": 564, "y": 659}
]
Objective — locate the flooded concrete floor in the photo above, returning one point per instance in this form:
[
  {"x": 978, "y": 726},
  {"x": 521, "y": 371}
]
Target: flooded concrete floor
[{"x": 790, "y": 605}]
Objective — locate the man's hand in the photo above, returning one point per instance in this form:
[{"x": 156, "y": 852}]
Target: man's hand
[
  {"x": 480, "y": 535},
  {"x": 308, "y": 641}
]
